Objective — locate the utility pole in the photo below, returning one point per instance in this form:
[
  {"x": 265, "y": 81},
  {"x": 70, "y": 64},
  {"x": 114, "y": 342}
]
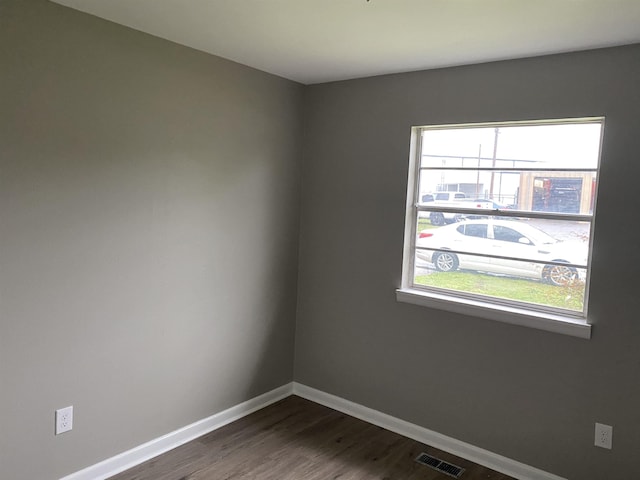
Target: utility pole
[{"x": 493, "y": 163}]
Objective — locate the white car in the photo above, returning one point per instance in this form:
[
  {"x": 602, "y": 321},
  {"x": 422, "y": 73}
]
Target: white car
[{"x": 523, "y": 250}]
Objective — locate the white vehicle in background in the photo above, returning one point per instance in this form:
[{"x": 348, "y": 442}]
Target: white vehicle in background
[
  {"x": 482, "y": 204},
  {"x": 492, "y": 204},
  {"x": 458, "y": 199},
  {"x": 444, "y": 199},
  {"x": 523, "y": 250}
]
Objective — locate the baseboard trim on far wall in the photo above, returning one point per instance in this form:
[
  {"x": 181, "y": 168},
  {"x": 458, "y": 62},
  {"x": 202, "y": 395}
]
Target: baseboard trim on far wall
[
  {"x": 160, "y": 445},
  {"x": 142, "y": 453},
  {"x": 423, "y": 435}
]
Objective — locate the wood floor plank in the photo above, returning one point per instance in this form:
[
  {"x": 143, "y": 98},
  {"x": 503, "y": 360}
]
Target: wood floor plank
[{"x": 296, "y": 439}]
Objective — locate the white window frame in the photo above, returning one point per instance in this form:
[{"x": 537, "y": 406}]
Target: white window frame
[{"x": 475, "y": 305}]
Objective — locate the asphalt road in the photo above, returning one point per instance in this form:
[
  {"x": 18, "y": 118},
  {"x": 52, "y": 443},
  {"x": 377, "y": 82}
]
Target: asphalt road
[{"x": 575, "y": 231}]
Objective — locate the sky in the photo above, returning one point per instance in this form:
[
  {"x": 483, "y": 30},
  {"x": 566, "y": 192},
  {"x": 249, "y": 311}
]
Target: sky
[
  {"x": 545, "y": 146},
  {"x": 563, "y": 145}
]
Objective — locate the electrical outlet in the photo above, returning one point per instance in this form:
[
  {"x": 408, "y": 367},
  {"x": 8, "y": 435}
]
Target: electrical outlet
[
  {"x": 604, "y": 435},
  {"x": 64, "y": 420}
]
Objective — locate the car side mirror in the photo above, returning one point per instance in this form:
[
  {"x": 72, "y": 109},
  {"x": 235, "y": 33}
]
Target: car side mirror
[{"x": 524, "y": 241}]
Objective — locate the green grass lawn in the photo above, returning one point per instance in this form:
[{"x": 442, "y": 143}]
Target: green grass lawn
[
  {"x": 424, "y": 223},
  {"x": 570, "y": 297}
]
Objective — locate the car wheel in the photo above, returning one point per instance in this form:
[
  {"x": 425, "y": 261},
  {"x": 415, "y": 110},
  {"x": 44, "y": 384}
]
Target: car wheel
[
  {"x": 560, "y": 275},
  {"x": 437, "y": 219},
  {"x": 445, "y": 261}
]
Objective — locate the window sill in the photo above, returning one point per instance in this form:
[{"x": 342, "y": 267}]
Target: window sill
[{"x": 515, "y": 316}]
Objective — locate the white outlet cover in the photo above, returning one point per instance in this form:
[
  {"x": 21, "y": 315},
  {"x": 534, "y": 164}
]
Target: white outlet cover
[
  {"x": 64, "y": 420},
  {"x": 604, "y": 436}
]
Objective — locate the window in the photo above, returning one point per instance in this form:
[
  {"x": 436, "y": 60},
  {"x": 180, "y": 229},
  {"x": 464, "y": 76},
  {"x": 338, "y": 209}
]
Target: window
[
  {"x": 473, "y": 230},
  {"x": 500, "y": 219},
  {"x": 507, "y": 234}
]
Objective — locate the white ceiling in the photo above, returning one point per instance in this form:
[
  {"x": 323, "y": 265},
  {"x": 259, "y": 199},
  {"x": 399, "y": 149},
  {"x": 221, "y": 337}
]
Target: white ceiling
[{"x": 313, "y": 41}]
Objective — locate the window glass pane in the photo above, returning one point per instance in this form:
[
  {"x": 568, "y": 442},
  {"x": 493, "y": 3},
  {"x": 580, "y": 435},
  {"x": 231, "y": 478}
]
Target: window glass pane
[
  {"x": 568, "y": 294},
  {"x": 543, "y": 258},
  {"x": 574, "y": 145},
  {"x": 531, "y": 191},
  {"x": 424, "y": 222},
  {"x": 473, "y": 230},
  {"x": 532, "y": 239},
  {"x": 505, "y": 234},
  {"x": 497, "y": 210}
]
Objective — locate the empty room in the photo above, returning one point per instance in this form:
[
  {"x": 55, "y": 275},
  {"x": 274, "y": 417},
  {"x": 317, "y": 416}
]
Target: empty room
[{"x": 312, "y": 239}]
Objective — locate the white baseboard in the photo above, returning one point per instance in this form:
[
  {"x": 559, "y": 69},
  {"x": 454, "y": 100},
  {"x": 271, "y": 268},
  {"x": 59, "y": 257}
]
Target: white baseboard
[
  {"x": 153, "y": 448},
  {"x": 423, "y": 435}
]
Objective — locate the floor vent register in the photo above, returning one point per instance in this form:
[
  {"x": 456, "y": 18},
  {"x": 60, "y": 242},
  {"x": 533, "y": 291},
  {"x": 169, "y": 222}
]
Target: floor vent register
[{"x": 440, "y": 465}]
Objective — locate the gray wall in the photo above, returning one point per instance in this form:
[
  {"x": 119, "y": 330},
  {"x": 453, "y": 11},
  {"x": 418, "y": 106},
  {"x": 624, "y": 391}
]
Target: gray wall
[
  {"x": 529, "y": 395},
  {"x": 149, "y": 205}
]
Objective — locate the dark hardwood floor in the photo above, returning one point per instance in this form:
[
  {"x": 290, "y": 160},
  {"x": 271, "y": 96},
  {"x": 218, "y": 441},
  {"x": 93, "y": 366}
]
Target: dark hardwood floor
[{"x": 296, "y": 439}]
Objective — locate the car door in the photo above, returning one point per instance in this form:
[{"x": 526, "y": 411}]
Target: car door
[
  {"x": 473, "y": 238},
  {"x": 509, "y": 242}
]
